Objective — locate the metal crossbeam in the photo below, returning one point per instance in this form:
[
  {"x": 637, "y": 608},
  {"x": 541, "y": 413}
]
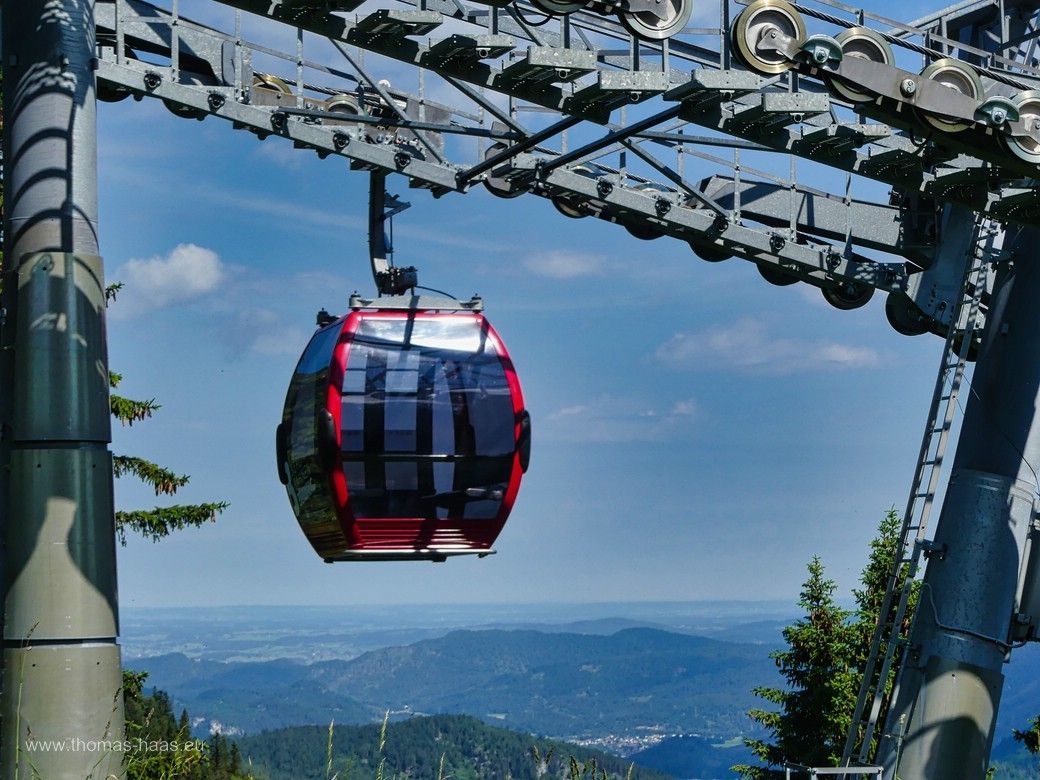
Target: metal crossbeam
[{"x": 760, "y": 112}]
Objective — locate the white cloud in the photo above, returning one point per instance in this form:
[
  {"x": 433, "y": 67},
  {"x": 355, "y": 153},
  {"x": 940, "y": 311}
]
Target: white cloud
[
  {"x": 281, "y": 154},
  {"x": 264, "y": 331},
  {"x": 747, "y": 345},
  {"x": 186, "y": 273},
  {"x": 812, "y": 296},
  {"x": 561, "y": 264},
  {"x": 269, "y": 335},
  {"x": 613, "y": 419},
  {"x": 339, "y": 220},
  {"x": 283, "y": 210}
]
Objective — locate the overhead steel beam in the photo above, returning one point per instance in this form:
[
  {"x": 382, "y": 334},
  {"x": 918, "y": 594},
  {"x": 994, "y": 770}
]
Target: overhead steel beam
[{"x": 868, "y": 225}]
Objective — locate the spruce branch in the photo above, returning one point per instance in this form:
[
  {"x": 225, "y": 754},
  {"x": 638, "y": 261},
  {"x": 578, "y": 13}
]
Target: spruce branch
[
  {"x": 156, "y": 524},
  {"x": 128, "y": 411},
  {"x": 164, "y": 481}
]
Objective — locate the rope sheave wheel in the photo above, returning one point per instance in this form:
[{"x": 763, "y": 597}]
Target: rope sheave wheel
[
  {"x": 568, "y": 207},
  {"x": 866, "y": 44},
  {"x": 668, "y": 18},
  {"x": 709, "y": 253},
  {"x": 342, "y": 104},
  {"x": 958, "y": 76},
  {"x": 756, "y": 23},
  {"x": 904, "y": 316},
  {"x": 1025, "y": 147},
  {"x": 271, "y": 82},
  {"x": 643, "y": 230},
  {"x": 497, "y": 185},
  {"x": 848, "y": 295},
  {"x": 774, "y": 275}
]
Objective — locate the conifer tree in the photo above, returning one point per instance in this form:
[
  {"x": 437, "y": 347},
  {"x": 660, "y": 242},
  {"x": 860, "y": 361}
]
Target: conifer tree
[
  {"x": 884, "y": 551},
  {"x": 1031, "y": 736},
  {"x": 156, "y": 523},
  {"x": 824, "y": 662},
  {"x": 814, "y": 712}
]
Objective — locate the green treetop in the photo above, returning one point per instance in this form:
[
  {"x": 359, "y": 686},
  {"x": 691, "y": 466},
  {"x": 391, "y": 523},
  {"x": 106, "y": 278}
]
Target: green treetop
[{"x": 813, "y": 714}]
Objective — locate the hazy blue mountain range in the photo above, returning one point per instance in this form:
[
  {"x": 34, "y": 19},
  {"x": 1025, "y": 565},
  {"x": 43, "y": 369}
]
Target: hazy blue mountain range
[
  {"x": 565, "y": 685},
  {"x": 598, "y": 678},
  {"x": 322, "y": 633}
]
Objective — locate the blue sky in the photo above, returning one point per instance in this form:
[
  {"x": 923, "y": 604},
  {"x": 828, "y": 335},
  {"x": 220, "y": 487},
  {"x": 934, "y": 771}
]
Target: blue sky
[{"x": 698, "y": 433}]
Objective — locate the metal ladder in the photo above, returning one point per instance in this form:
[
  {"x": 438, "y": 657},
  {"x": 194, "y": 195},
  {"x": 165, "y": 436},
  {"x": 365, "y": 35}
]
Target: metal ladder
[{"x": 888, "y": 637}]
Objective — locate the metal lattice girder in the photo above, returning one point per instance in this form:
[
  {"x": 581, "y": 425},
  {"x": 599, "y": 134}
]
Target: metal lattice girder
[
  {"x": 589, "y": 83},
  {"x": 462, "y": 51},
  {"x": 142, "y": 79},
  {"x": 713, "y": 101},
  {"x": 868, "y": 225},
  {"x": 518, "y": 81},
  {"x": 613, "y": 89},
  {"x": 403, "y": 49},
  {"x": 817, "y": 265},
  {"x": 738, "y": 103}
]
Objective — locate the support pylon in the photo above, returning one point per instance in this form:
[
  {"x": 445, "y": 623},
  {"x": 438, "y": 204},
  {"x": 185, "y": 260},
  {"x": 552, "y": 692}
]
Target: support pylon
[
  {"x": 61, "y": 700},
  {"x": 944, "y": 708}
]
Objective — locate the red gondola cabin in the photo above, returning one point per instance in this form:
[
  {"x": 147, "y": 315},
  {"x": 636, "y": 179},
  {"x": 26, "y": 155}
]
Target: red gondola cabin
[{"x": 404, "y": 436}]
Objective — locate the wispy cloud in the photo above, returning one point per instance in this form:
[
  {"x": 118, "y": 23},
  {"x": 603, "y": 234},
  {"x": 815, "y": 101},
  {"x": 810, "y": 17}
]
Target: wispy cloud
[
  {"x": 613, "y": 419},
  {"x": 264, "y": 332},
  {"x": 188, "y": 272},
  {"x": 561, "y": 264},
  {"x": 281, "y": 154},
  {"x": 281, "y": 209},
  {"x": 292, "y": 213},
  {"x": 748, "y": 345}
]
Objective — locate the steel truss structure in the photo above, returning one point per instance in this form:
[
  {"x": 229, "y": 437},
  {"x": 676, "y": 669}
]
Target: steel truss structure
[
  {"x": 607, "y": 108},
  {"x": 631, "y": 115}
]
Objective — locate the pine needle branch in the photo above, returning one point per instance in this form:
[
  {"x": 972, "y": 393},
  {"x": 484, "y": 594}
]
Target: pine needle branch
[
  {"x": 156, "y": 524},
  {"x": 128, "y": 411},
  {"x": 163, "y": 481}
]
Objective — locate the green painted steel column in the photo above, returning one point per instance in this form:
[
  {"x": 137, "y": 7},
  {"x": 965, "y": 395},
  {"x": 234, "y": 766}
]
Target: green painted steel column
[{"x": 61, "y": 697}]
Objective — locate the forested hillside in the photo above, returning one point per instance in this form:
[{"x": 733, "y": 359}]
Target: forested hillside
[
  {"x": 415, "y": 748},
  {"x": 445, "y": 746}
]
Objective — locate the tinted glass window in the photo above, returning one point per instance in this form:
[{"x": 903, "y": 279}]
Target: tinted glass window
[
  {"x": 428, "y": 423},
  {"x": 305, "y": 400},
  {"x": 318, "y": 354}
]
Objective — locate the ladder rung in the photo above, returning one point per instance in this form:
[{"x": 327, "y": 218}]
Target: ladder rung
[{"x": 947, "y": 387}]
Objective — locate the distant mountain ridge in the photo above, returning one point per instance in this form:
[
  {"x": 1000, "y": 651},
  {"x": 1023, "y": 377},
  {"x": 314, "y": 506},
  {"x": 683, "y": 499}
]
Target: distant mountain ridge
[
  {"x": 571, "y": 685},
  {"x": 635, "y": 681}
]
